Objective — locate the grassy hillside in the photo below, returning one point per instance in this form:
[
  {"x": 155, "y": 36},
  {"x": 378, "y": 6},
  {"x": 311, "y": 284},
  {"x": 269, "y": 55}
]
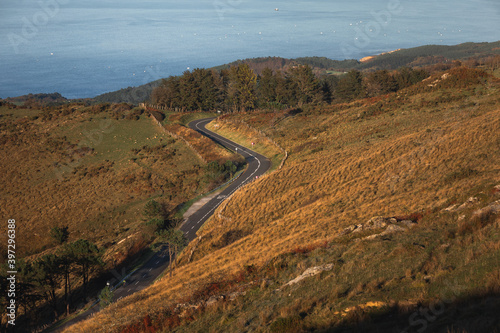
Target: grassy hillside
[
  {"x": 91, "y": 170},
  {"x": 384, "y": 217}
]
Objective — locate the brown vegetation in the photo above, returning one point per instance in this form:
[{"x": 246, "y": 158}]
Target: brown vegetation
[
  {"x": 86, "y": 172},
  {"x": 407, "y": 155}
]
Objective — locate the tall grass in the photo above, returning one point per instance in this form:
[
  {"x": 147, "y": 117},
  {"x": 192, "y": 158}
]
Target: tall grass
[{"x": 343, "y": 169}]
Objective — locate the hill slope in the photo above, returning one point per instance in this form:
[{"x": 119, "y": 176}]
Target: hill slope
[{"x": 385, "y": 205}]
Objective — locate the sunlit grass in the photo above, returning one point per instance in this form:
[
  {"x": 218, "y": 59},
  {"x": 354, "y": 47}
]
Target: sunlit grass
[{"x": 348, "y": 163}]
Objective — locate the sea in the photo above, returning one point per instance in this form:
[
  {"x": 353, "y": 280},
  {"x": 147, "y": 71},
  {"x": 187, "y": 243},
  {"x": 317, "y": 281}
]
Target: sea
[{"x": 83, "y": 48}]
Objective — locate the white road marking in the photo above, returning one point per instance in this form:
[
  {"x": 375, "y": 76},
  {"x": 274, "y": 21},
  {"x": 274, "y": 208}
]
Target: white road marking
[{"x": 244, "y": 182}]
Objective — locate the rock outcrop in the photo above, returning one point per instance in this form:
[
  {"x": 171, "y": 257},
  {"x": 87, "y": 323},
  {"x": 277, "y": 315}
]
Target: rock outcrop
[
  {"x": 390, "y": 225},
  {"x": 308, "y": 273}
]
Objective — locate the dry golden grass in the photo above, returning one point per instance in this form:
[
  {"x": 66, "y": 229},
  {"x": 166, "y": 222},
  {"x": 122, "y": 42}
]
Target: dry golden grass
[
  {"x": 248, "y": 137},
  {"x": 206, "y": 148},
  {"x": 347, "y": 164},
  {"x": 102, "y": 191}
]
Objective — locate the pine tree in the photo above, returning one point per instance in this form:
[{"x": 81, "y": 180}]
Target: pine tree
[
  {"x": 60, "y": 235},
  {"x": 241, "y": 91},
  {"x": 105, "y": 297},
  {"x": 304, "y": 85},
  {"x": 88, "y": 257},
  {"x": 350, "y": 86},
  {"x": 46, "y": 271},
  {"x": 266, "y": 88},
  {"x": 176, "y": 241}
]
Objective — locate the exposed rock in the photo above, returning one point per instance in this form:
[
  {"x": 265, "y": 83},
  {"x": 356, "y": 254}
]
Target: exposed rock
[
  {"x": 445, "y": 246},
  {"x": 496, "y": 189},
  {"x": 451, "y": 208},
  {"x": 493, "y": 207},
  {"x": 213, "y": 299},
  {"x": 391, "y": 229},
  {"x": 371, "y": 237},
  {"x": 185, "y": 306},
  {"x": 235, "y": 295},
  {"x": 379, "y": 222},
  {"x": 469, "y": 202},
  {"x": 376, "y": 222},
  {"x": 408, "y": 223},
  {"x": 310, "y": 272},
  {"x": 348, "y": 230},
  {"x": 435, "y": 82}
]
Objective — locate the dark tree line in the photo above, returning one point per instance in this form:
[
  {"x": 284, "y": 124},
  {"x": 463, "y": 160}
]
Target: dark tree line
[
  {"x": 175, "y": 240},
  {"x": 38, "y": 281},
  {"x": 240, "y": 89}
]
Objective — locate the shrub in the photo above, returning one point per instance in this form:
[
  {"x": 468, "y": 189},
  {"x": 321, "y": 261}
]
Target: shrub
[
  {"x": 105, "y": 297},
  {"x": 458, "y": 175},
  {"x": 60, "y": 235}
]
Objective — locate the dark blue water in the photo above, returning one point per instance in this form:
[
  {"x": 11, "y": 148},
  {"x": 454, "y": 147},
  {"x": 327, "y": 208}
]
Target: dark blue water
[{"x": 85, "y": 48}]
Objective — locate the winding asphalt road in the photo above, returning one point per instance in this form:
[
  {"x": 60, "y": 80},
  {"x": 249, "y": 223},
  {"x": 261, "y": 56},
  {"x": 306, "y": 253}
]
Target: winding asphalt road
[{"x": 257, "y": 165}]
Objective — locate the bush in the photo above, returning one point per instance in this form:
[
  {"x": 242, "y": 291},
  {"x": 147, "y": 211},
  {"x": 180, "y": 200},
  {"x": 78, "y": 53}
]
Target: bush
[
  {"x": 60, "y": 235},
  {"x": 459, "y": 175}
]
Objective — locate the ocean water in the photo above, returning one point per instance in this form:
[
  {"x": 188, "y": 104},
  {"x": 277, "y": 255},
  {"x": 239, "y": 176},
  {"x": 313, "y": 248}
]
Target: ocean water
[{"x": 85, "y": 48}]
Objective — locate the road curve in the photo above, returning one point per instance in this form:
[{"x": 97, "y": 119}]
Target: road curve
[
  {"x": 148, "y": 272},
  {"x": 257, "y": 165}
]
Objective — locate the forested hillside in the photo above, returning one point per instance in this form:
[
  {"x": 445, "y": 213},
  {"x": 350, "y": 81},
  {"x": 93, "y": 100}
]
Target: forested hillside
[
  {"x": 240, "y": 89},
  {"x": 424, "y": 57}
]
